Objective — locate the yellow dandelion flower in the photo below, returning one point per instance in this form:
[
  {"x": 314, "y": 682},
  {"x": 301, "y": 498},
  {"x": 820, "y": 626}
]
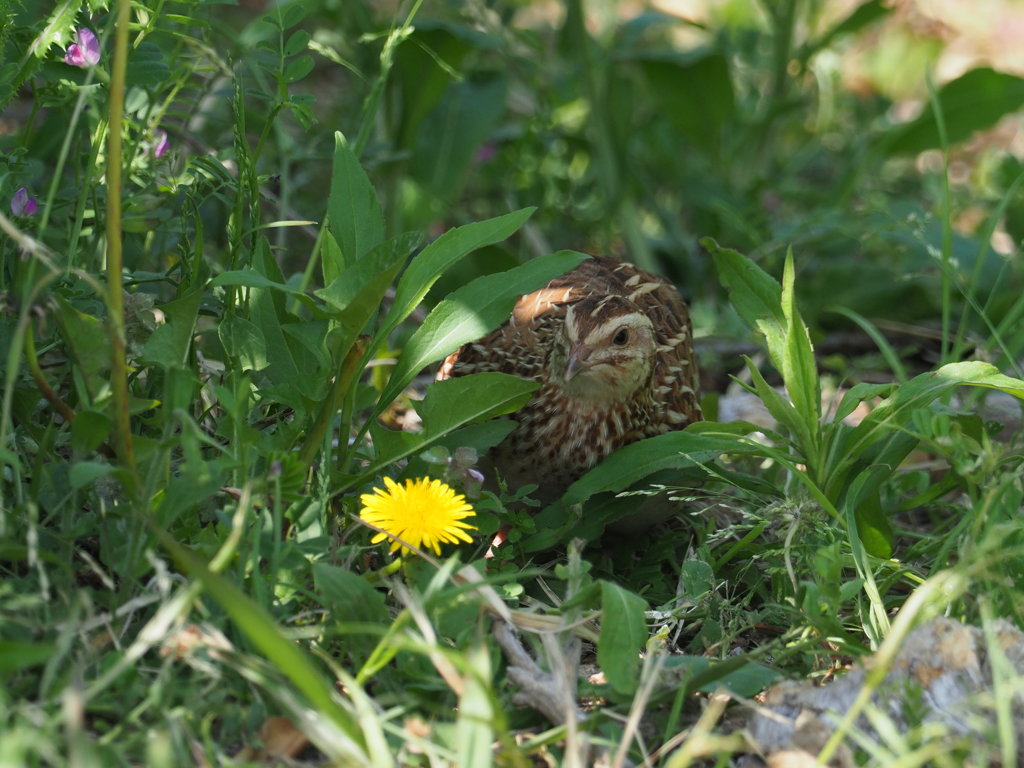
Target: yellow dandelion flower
[{"x": 424, "y": 513}]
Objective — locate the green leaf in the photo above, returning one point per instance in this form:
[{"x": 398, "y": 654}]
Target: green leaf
[
  {"x": 469, "y": 313},
  {"x": 168, "y": 345},
  {"x": 694, "y": 91},
  {"x": 85, "y": 472},
  {"x": 979, "y": 374},
  {"x": 799, "y": 368},
  {"x": 57, "y": 30},
  {"x": 441, "y": 254},
  {"x": 756, "y": 296},
  {"x": 250, "y": 278},
  {"x": 15, "y": 655},
  {"x": 672, "y": 450},
  {"x": 88, "y": 342},
  {"x": 352, "y": 602},
  {"x": 450, "y": 405},
  {"x": 738, "y": 674},
  {"x": 975, "y": 100},
  {"x": 298, "y": 68},
  {"x": 147, "y": 66},
  {"x": 297, "y": 42},
  {"x": 88, "y": 431},
  {"x": 467, "y": 399},
  {"x": 622, "y": 637},
  {"x": 364, "y": 283},
  {"x": 354, "y": 214},
  {"x": 244, "y": 341}
]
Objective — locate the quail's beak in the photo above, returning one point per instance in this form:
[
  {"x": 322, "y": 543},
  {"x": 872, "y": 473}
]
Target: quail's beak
[{"x": 577, "y": 360}]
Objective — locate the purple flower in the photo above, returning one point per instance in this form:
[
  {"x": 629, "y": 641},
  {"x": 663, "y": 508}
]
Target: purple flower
[
  {"x": 22, "y": 204},
  {"x": 485, "y": 153},
  {"x": 161, "y": 144},
  {"x": 84, "y": 53}
]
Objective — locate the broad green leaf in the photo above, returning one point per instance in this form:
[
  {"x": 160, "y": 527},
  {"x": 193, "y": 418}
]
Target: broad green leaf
[
  {"x": 449, "y": 405},
  {"x": 470, "y": 312},
  {"x": 738, "y": 674},
  {"x": 872, "y": 525},
  {"x": 672, "y": 450},
  {"x": 979, "y": 374},
  {"x": 16, "y": 655},
  {"x": 694, "y": 91},
  {"x": 88, "y": 342},
  {"x": 472, "y": 398},
  {"x": 195, "y": 482},
  {"x": 89, "y": 430},
  {"x": 359, "y": 290},
  {"x": 244, "y": 341},
  {"x": 354, "y": 214},
  {"x": 351, "y": 600},
  {"x": 332, "y": 263},
  {"x": 250, "y": 278},
  {"x": 168, "y": 345},
  {"x": 298, "y": 68},
  {"x": 284, "y": 653},
  {"x": 622, "y": 637},
  {"x": 755, "y": 295},
  {"x": 780, "y": 408},
  {"x": 975, "y": 100},
  {"x": 365, "y": 282},
  {"x": 297, "y": 42},
  {"x": 85, "y": 472},
  {"x": 445, "y": 251}
]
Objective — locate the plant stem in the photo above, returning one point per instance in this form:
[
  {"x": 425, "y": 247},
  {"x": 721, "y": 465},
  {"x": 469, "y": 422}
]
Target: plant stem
[{"x": 115, "y": 288}]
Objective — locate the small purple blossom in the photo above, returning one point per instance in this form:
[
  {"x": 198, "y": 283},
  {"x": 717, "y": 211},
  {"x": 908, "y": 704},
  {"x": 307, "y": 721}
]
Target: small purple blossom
[
  {"x": 84, "y": 53},
  {"x": 485, "y": 153},
  {"x": 22, "y": 204},
  {"x": 161, "y": 144}
]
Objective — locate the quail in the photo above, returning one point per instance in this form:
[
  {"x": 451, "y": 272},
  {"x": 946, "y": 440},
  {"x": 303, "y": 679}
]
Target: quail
[{"x": 611, "y": 347}]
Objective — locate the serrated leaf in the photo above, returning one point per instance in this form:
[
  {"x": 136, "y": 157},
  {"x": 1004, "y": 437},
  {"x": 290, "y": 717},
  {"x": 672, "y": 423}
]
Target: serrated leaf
[{"x": 622, "y": 636}]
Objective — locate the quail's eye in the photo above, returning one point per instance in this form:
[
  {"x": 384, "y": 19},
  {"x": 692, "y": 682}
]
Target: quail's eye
[{"x": 621, "y": 337}]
